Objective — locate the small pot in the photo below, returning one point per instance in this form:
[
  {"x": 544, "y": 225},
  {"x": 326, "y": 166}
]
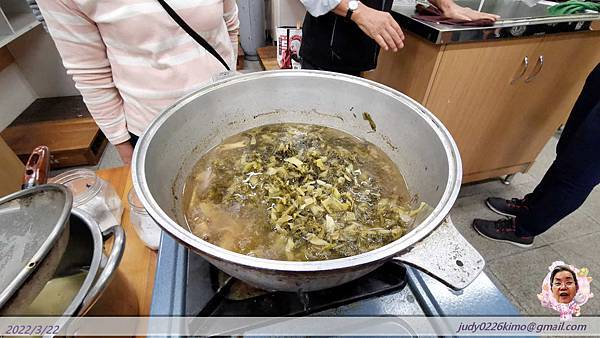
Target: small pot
[
  {"x": 83, "y": 256},
  {"x": 63, "y": 242}
]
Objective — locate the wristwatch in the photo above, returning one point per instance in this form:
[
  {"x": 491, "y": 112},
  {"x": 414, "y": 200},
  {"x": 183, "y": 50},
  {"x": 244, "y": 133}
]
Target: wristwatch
[{"x": 352, "y": 6}]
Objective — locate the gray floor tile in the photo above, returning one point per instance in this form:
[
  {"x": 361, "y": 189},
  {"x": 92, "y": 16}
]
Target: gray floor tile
[
  {"x": 471, "y": 189},
  {"x": 521, "y": 277},
  {"x": 592, "y": 307},
  {"x": 585, "y": 220},
  {"x": 468, "y": 208},
  {"x": 581, "y": 252},
  {"x": 495, "y": 187},
  {"x": 544, "y": 159},
  {"x": 523, "y": 178},
  {"x": 510, "y": 191},
  {"x": 528, "y": 187},
  {"x": 110, "y": 158},
  {"x": 499, "y": 284},
  {"x": 576, "y": 225}
]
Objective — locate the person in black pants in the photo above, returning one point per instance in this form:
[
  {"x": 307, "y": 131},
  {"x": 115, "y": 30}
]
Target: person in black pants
[
  {"x": 344, "y": 36},
  {"x": 567, "y": 183}
]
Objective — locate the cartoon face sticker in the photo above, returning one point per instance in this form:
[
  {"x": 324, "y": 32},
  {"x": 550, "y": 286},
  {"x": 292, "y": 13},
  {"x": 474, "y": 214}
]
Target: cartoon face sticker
[{"x": 565, "y": 289}]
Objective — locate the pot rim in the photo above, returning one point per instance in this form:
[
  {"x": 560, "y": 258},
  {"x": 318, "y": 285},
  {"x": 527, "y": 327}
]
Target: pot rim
[
  {"x": 392, "y": 249},
  {"x": 94, "y": 229}
]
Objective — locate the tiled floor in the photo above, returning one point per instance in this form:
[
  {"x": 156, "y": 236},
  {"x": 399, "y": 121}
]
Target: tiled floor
[{"x": 517, "y": 272}]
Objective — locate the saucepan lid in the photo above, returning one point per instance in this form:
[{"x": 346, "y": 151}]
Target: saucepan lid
[{"x": 31, "y": 223}]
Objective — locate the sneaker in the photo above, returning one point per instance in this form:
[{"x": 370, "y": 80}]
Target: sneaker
[
  {"x": 502, "y": 230},
  {"x": 510, "y": 208}
]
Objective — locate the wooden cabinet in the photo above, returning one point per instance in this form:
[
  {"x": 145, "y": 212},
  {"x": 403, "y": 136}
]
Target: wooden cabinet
[
  {"x": 475, "y": 100},
  {"x": 500, "y": 109},
  {"x": 72, "y": 142}
]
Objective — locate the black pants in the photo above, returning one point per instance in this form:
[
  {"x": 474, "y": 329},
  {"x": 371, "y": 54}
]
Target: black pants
[{"x": 576, "y": 169}]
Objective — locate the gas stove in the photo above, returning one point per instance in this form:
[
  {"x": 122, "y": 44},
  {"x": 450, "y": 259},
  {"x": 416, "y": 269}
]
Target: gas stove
[
  {"x": 221, "y": 295},
  {"x": 187, "y": 285}
]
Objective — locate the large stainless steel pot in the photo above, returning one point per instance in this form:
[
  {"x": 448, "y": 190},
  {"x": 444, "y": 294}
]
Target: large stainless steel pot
[{"x": 413, "y": 138}]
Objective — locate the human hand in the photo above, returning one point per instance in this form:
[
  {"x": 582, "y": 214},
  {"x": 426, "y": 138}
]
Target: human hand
[
  {"x": 454, "y": 11},
  {"x": 379, "y": 26},
  {"x": 125, "y": 151}
]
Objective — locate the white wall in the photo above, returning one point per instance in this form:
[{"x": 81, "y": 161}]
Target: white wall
[
  {"x": 37, "y": 72},
  {"x": 285, "y": 13},
  {"x": 38, "y": 59},
  {"x": 15, "y": 94}
]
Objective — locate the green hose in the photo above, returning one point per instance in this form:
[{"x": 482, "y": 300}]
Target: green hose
[{"x": 573, "y": 7}]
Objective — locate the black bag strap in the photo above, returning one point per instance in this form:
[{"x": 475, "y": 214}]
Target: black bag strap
[{"x": 192, "y": 33}]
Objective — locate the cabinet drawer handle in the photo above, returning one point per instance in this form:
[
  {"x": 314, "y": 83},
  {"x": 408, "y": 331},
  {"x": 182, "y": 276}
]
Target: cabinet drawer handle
[
  {"x": 538, "y": 68},
  {"x": 525, "y": 65}
]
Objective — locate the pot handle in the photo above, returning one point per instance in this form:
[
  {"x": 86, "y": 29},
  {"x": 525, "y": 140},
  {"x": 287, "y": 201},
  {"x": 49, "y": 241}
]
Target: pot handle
[
  {"x": 446, "y": 256},
  {"x": 37, "y": 167},
  {"x": 114, "y": 258}
]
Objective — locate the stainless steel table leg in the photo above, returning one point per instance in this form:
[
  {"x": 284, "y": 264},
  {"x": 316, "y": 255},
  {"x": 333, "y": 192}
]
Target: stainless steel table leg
[{"x": 508, "y": 179}]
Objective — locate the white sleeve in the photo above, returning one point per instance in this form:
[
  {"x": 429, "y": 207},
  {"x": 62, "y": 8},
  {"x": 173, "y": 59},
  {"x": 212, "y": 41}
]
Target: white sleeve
[{"x": 320, "y": 7}]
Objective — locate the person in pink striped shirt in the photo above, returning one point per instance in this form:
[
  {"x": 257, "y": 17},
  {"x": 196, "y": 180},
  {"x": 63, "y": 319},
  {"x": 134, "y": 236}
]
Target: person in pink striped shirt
[{"x": 130, "y": 59}]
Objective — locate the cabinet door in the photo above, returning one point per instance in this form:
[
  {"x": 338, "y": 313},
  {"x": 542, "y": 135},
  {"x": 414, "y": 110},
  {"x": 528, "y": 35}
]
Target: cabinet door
[
  {"x": 411, "y": 69},
  {"x": 551, "y": 87},
  {"x": 568, "y": 60},
  {"x": 474, "y": 95}
]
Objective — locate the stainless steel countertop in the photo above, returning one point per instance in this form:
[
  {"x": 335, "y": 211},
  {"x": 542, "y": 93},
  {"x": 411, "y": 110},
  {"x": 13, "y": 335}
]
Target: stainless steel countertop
[{"x": 517, "y": 19}]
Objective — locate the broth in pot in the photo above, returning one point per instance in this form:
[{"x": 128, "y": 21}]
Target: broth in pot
[{"x": 297, "y": 192}]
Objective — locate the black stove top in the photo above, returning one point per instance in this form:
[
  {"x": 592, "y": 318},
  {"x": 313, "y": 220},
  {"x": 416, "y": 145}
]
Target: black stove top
[{"x": 227, "y": 296}]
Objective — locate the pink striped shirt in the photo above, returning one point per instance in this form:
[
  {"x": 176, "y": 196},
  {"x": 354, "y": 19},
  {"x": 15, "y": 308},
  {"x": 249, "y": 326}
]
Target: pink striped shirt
[{"x": 130, "y": 60}]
